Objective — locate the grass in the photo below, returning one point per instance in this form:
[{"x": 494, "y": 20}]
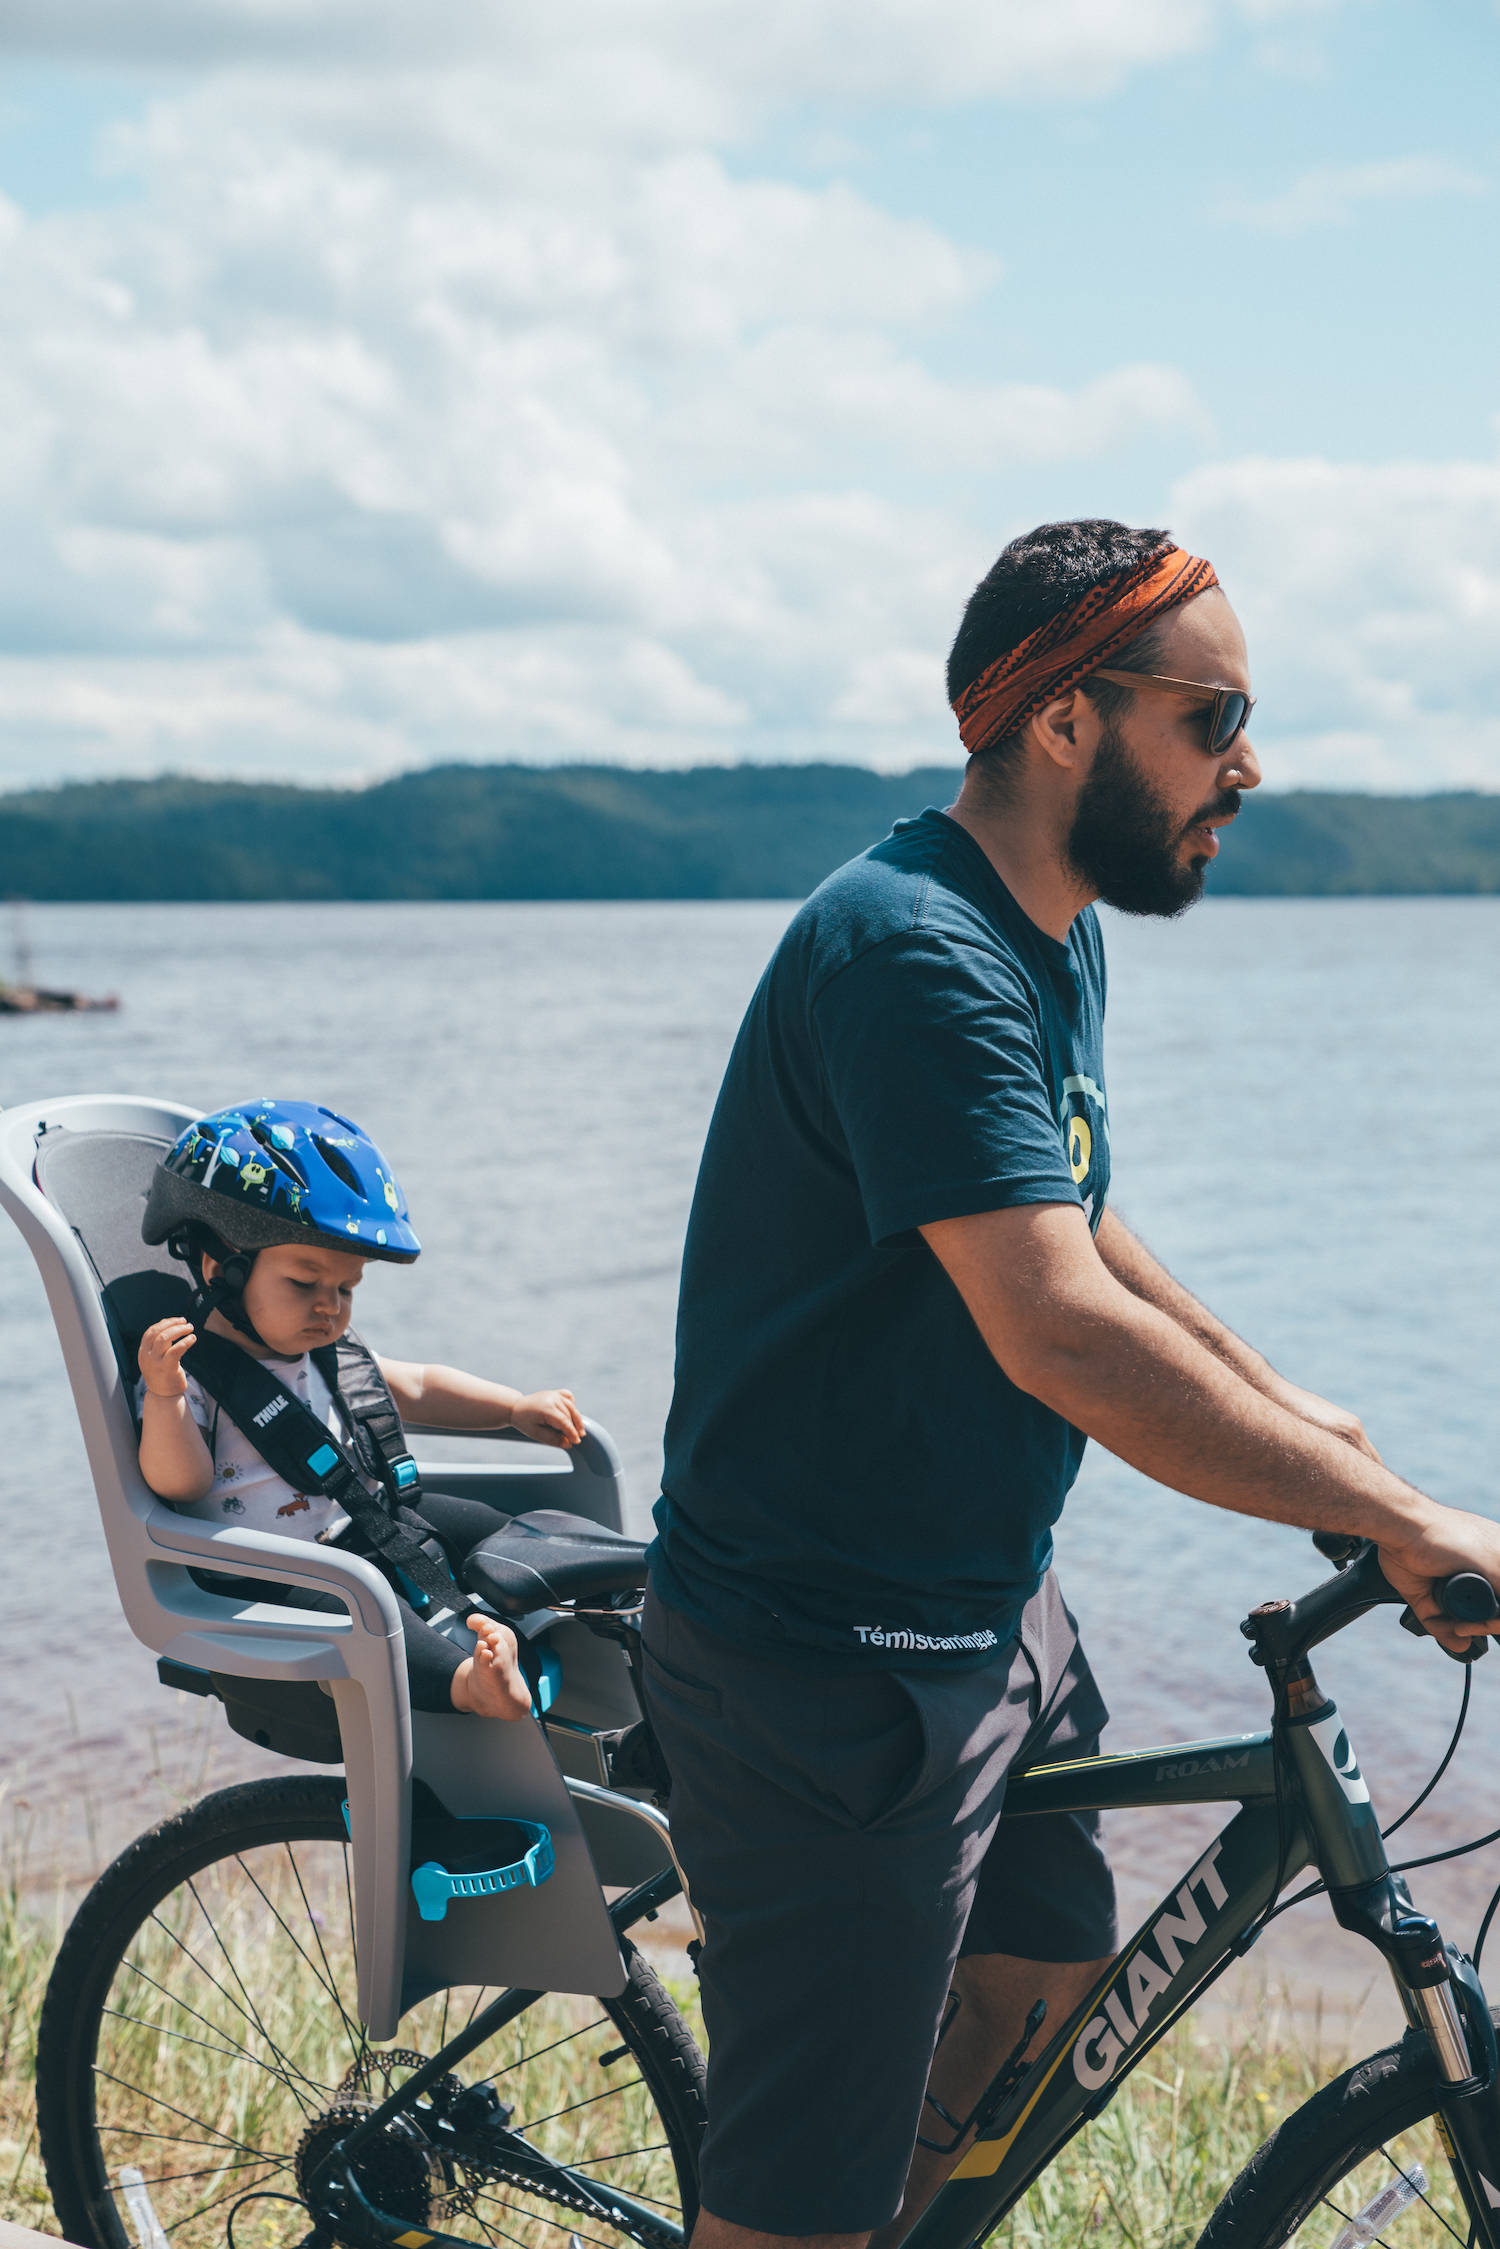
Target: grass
[{"x": 1145, "y": 2176}]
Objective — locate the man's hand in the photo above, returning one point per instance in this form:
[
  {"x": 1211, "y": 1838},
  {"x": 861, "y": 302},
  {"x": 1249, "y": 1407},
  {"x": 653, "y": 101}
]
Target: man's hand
[
  {"x": 1452, "y": 1541},
  {"x": 163, "y": 1348},
  {"x": 548, "y": 1417},
  {"x": 1308, "y": 1406},
  {"x": 489, "y": 1683}
]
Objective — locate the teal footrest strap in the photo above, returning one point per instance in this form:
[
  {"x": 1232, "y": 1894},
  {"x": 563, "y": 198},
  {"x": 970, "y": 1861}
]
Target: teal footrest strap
[{"x": 434, "y": 1886}]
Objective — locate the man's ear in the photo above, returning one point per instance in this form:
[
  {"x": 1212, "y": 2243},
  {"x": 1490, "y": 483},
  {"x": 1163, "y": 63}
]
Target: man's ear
[
  {"x": 210, "y": 1266},
  {"x": 1061, "y": 730}
]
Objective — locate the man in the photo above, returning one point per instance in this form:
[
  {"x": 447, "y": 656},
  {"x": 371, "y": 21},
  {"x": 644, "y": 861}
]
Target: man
[{"x": 905, "y": 1304}]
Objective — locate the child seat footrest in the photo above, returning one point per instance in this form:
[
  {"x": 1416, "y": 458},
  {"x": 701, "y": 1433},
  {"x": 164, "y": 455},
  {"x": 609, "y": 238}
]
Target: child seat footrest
[{"x": 500, "y": 1855}]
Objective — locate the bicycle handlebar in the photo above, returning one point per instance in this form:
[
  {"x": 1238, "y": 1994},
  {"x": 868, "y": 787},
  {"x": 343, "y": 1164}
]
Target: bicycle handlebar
[
  {"x": 1468, "y": 1598},
  {"x": 1282, "y": 1630}
]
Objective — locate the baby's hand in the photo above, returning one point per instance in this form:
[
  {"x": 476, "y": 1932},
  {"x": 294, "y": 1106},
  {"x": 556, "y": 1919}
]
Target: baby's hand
[
  {"x": 162, "y": 1350},
  {"x": 489, "y": 1683},
  {"x": 549, "y": 1417}
]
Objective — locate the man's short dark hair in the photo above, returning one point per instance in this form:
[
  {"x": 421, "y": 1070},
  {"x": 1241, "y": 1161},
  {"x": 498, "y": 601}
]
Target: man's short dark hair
[{"x": 1043, "y": 571}]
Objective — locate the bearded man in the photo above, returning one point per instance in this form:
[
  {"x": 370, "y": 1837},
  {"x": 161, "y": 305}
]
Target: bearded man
[{"x": 905, "y": 1304}]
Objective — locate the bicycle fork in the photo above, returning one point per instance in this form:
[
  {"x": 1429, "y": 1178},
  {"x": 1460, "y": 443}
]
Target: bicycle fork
[{"x": 1438, "y": 1986}]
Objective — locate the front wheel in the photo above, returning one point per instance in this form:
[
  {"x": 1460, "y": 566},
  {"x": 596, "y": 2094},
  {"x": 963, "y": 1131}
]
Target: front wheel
[
  {"x": 1362, "y": 2161},
  {"x": 199, "y": 2047}
]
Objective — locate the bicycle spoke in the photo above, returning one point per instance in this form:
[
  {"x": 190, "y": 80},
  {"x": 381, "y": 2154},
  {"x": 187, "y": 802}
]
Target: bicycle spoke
[
  {"x": 326, "y": 1978},
  {"x": 186, "y": 2038},
  {"x": 243, "y": 2051},
  {"x": 254, "y": 2015},
  {"x": 242, "y": 2146},
  {"x": 209, "y": 1977},
  {"x": 522, "y": 2061},
  {"x": 1405, "y": 2174},
  {"x": 534, "y": 2123},
  {"x": 592, "y": 2163}
]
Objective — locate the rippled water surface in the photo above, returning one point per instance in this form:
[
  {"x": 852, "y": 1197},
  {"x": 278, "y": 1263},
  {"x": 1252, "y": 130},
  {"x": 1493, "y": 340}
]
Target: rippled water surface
[{"x": 1304, "y": 1100}]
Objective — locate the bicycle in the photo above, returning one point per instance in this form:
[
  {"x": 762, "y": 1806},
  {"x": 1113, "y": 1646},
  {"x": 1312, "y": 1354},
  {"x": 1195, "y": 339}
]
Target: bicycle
[{"x": 220, "y": 2086}]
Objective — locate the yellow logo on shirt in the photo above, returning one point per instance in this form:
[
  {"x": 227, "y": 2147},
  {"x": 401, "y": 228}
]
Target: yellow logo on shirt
[
  {"x": 1080, "y": 1149},
  {"x": 1084, "y": 1123}
]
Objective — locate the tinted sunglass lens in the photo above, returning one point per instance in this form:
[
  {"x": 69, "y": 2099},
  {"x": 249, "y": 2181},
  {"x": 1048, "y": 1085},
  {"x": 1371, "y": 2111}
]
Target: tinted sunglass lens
[{"x": 1232, "y": 714}]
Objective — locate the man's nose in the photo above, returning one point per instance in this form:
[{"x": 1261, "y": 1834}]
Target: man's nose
[{"x": 1241, "y": 767}]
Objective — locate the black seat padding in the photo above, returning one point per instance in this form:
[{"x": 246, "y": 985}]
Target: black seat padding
[{"x": 544, "y": 1558}]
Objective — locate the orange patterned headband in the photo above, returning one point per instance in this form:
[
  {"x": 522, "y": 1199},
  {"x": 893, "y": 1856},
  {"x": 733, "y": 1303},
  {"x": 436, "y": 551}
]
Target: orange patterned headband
[{"x": 1074, "y": 643}]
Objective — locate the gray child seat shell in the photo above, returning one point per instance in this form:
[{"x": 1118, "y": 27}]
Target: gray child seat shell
[{"x": 73, "y": 1175}]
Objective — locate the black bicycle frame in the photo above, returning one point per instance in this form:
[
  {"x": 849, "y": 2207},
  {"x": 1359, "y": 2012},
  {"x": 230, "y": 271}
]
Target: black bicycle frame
[{"x": 1303, "y": 1801}]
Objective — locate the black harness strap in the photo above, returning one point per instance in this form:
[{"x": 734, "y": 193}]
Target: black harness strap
[{"x": 292, "y": 1440}]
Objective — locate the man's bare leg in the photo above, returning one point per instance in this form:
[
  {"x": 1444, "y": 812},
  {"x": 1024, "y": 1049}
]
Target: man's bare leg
[
  {"x": 996, "y": 1993},
  {"x": 717, "y": 2233}
]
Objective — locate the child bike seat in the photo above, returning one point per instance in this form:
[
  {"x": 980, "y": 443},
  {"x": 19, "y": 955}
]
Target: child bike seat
[{"x": 544, "y": 1558}]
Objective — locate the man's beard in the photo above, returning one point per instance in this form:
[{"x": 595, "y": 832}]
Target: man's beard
[{"x": 1124, "y": 842}]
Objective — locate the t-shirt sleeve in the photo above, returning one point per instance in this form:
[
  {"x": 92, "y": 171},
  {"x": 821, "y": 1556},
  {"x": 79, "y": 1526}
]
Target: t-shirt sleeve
[{"x": 933, "y": 1056}]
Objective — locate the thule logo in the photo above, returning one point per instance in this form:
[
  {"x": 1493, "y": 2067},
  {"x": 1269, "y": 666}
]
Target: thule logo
[
  {"x": 1101, "y": 2044},
  {"x": 268, "y": 1413}
]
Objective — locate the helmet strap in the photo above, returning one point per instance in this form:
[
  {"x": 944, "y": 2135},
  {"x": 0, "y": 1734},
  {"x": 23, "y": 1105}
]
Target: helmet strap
[{"x": 223, "y": 1294}]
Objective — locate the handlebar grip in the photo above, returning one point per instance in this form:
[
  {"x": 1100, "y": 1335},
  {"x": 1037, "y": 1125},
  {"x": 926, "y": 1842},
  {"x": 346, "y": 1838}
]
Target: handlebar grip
[{"x": 1468, "y": 1598}]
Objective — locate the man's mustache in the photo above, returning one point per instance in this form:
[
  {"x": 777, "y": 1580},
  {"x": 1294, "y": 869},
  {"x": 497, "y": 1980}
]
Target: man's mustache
[{"x": 1224, "y": 806}]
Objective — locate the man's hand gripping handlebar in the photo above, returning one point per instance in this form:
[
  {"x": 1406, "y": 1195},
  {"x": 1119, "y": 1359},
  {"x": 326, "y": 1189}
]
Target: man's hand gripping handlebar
[
  {"x": 1446, "y": 1575},
  {"x": 1459, "y": 1611}
]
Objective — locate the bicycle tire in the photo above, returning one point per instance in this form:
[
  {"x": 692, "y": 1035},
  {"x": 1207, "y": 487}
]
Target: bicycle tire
[
  {"x": 1327, "y": 2160},
  {"x": 197, "y": 1938}
]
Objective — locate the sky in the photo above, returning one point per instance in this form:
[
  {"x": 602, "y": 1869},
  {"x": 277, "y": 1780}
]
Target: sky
[{"x": 650, "y": 381}]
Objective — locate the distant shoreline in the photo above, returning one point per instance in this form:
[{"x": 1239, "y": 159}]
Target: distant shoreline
[{"x": 516, "y": 832}]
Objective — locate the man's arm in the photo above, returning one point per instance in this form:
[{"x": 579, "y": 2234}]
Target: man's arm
[
  {"x": 1131, "y": 1375},
  {"x": 1136, "y": 1269}
]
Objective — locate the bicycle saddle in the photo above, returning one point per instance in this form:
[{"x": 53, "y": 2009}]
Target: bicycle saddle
[{"x": 545, "y": 1557}]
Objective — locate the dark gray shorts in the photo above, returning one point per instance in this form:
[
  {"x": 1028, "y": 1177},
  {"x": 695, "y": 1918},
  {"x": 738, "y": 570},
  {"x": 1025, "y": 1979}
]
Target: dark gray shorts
[{"x": 838, "y": 1831}]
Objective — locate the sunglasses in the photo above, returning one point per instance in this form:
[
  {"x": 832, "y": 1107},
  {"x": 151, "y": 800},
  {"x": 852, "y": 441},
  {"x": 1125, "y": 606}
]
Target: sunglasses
[{"x": 1228, "y": 716}]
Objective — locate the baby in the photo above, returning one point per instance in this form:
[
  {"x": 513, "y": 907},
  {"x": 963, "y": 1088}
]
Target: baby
[{"x": 276, "y": 1208}]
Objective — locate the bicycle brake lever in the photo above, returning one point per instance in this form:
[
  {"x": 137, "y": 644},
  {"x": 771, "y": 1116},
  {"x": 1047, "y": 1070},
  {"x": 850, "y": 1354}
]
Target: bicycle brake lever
[{"x": 1470, "y": 1652}]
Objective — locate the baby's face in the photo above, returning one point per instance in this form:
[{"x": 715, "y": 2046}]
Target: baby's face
[{"x": 300, "y": 1298}]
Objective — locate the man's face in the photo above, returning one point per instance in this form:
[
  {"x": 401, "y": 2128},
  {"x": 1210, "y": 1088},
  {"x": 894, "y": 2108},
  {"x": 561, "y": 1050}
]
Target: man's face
[{"x": 1143, "y": 831}]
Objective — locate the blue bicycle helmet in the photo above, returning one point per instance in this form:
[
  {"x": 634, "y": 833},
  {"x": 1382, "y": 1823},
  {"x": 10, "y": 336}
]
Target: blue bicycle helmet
[{"x": 269, "y": 1172}]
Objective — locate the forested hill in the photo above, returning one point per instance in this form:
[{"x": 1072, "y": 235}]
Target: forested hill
[{"x": 748, "y": 831}]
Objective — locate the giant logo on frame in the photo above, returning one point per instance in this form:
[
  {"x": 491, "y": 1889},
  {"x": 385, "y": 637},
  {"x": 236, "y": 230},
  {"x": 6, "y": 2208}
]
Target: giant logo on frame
[{"x": 1100, "y": 2045}]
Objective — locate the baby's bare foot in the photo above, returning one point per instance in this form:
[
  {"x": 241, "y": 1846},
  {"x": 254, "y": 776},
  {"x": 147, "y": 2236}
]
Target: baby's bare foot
[{"x": 489, "y": 1683}]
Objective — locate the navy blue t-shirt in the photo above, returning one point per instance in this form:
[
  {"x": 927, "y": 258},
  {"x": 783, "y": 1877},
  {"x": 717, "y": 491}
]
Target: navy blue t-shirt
[{"x": 847, "y": 1468}]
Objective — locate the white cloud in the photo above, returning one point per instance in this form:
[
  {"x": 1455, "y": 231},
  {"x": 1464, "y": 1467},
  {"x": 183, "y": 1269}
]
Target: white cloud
[
  {"x": 470, "y": 401},
  {"x": 633, "y": 62},
  {"x": 1330, "y": 194},
  {"x": 396, "y": 422},
  {"x": 1371, "y": 599}
]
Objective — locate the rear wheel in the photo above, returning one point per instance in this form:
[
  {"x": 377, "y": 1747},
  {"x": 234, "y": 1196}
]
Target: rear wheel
[
  {"x": 200, "y": 2029},
  {"x": 1362, "y": 2161}
]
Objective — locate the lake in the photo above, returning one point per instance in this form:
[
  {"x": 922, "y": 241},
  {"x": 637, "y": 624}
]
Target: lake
[{"x": 1305, "y": 1110}]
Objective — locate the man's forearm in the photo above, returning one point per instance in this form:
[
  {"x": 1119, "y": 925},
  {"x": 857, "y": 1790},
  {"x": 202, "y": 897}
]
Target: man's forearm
[
  {"x": 1136, "y": 1269},
  {"x": 1131, "y": 1375},
  {"x": 1134, "y": 1379}
]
